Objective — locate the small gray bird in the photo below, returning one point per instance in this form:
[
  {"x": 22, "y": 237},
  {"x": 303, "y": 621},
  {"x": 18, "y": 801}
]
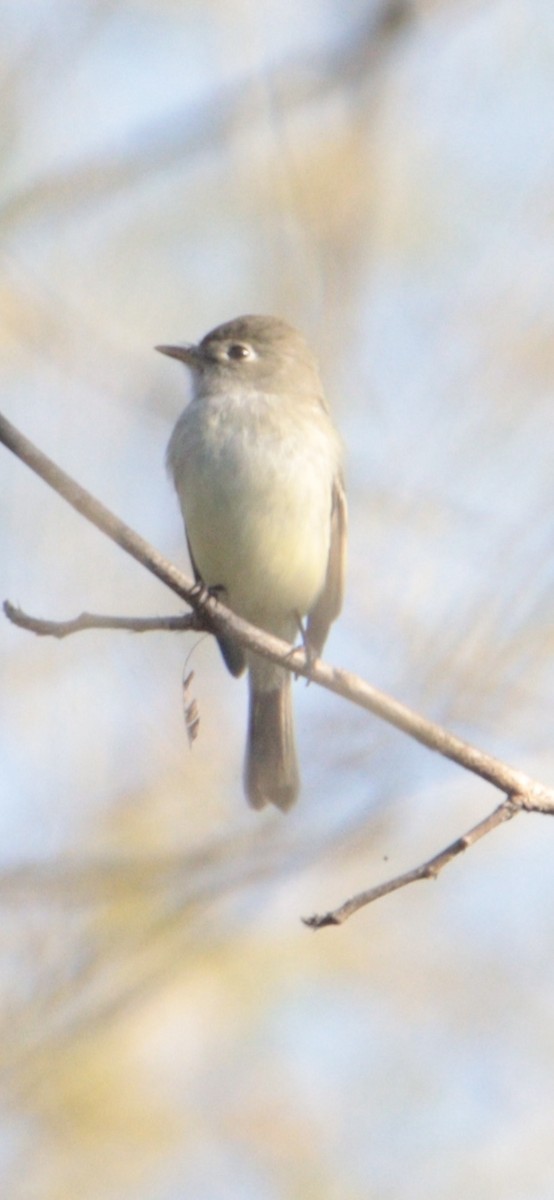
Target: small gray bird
[{"x": 256, "y": 463}]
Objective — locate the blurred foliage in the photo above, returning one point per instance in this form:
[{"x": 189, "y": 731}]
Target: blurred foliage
[{"x": 380, "y": 173}]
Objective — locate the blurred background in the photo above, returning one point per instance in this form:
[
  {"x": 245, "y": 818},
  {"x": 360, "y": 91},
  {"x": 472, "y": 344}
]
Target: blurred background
[{"x": 380, "y": 173}]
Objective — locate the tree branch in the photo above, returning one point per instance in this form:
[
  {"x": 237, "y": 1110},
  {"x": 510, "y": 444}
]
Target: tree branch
[
  {"x": 215, "y": 617},
  {"x": 85, "y": 620},
  {"x": 427, "y": 870},
  {"x": 521, "y": 792}
]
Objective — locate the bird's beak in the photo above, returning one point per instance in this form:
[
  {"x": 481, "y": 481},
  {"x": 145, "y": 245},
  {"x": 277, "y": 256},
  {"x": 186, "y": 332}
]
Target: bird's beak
[{"x": 187, "y": 353}]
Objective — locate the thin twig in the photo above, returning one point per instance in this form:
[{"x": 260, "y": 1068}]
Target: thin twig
[
  {"x": 427, "y": 870},
  {"x": 85, "y": 620},
  {"x": 214, "y": 616}
]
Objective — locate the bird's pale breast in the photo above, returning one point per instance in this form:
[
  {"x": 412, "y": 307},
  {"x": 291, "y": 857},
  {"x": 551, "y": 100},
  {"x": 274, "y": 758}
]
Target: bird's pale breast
[{"x": 254, "y": 481}]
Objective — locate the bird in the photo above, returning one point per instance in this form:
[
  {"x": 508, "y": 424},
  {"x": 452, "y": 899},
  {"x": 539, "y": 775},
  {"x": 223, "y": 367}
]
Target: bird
[{"x": 257, "y": 466}]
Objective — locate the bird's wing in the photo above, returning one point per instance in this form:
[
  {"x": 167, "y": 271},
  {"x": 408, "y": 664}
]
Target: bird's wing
[
  {"x": 233, "y": 654},
  {"x": 329, "y": 603}
]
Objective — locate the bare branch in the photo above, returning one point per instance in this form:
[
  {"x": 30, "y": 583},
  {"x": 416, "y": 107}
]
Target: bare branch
[
  {"x": 427, "y": 870},
  {"x": 85, "y": 620},
  {"x": 214, "y": 616}
]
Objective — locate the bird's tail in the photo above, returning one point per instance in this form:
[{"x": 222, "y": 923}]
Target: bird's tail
[{"x": 271, "y": 767}]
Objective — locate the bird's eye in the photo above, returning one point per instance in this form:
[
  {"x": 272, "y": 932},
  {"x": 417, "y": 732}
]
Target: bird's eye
[{"x": 239, "y": 350}]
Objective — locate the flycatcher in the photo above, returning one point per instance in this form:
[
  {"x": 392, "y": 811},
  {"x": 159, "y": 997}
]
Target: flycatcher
[{"x": 256, "y": 463}]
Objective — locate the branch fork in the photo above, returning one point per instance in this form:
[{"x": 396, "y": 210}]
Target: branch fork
[{"x": 521, "y": 793}]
